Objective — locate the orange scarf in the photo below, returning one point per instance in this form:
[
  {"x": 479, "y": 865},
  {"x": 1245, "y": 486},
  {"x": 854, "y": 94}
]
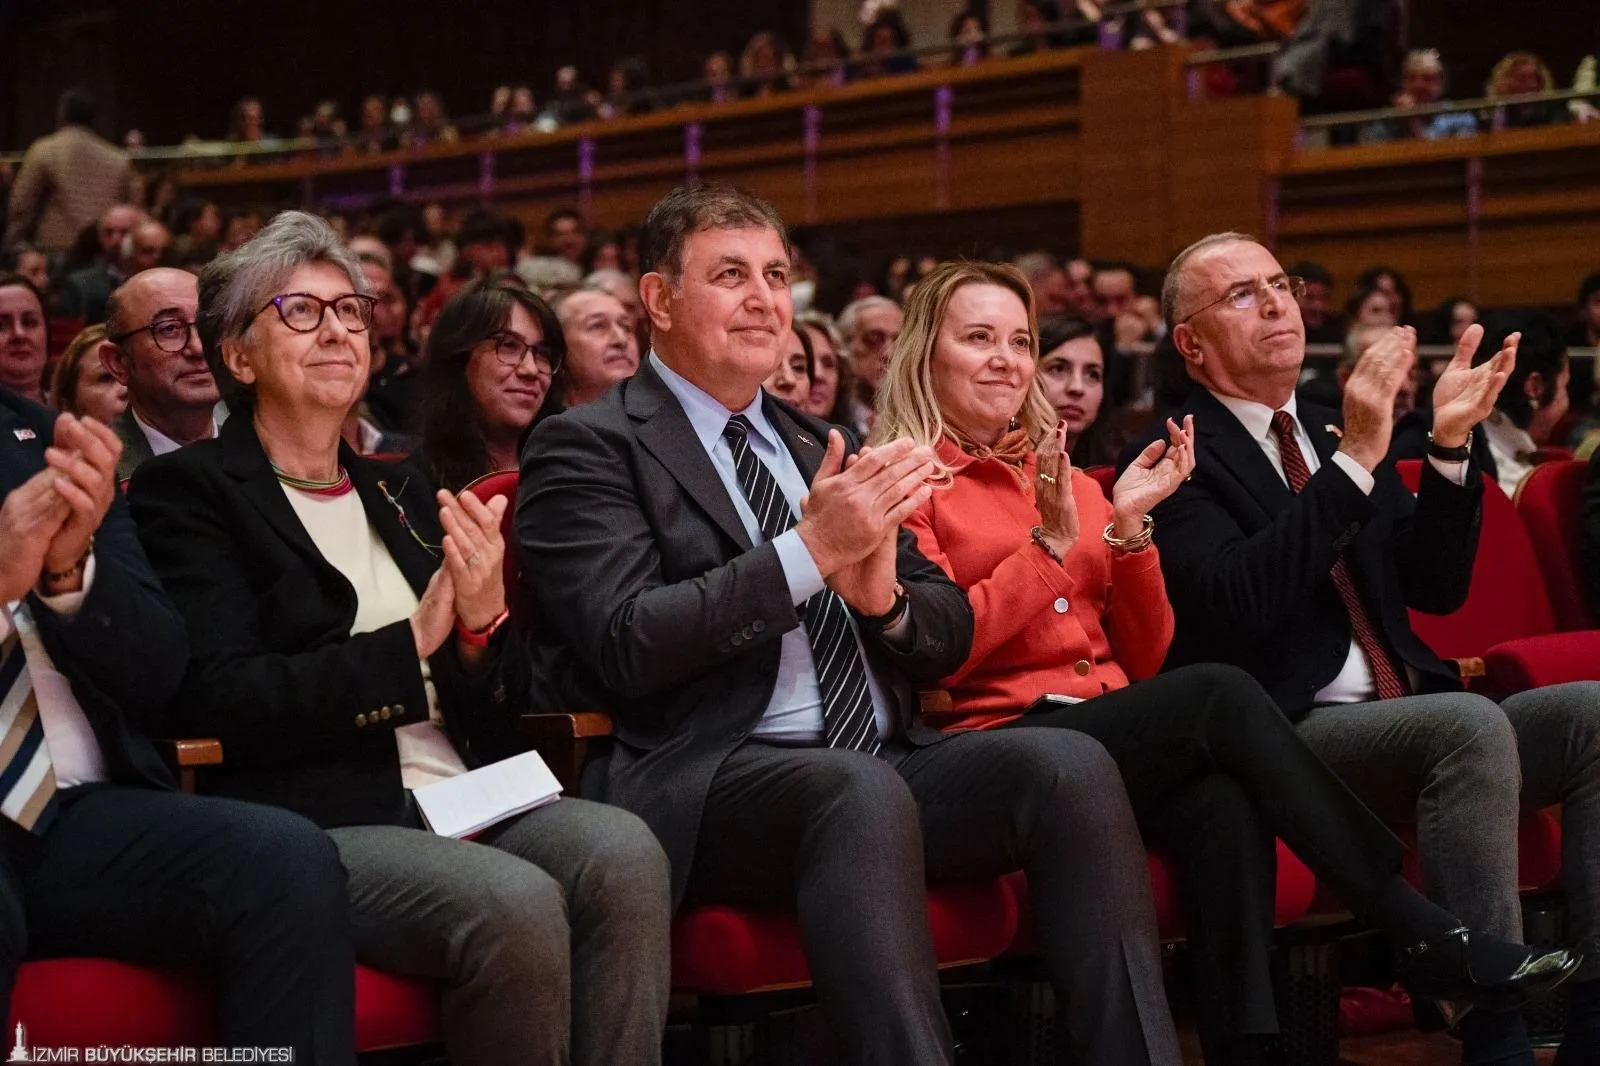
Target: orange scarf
[{"x": 1012, "y": 449}]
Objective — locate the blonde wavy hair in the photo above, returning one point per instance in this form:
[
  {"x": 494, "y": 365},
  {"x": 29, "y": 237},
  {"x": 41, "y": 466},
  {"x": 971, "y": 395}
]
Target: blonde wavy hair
[{"x": 907, "y": 406}]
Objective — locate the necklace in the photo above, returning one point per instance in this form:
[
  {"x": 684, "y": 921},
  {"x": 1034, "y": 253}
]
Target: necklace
[{"x": 337, "y": 487}]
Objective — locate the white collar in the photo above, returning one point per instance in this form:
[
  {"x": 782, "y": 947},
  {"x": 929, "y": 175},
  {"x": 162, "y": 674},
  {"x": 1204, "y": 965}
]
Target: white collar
[{"x": 1254, "y": 416}]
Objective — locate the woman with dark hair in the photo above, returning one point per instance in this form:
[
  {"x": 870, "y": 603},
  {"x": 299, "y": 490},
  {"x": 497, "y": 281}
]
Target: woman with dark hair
[
  {"x": 826, "y": 60},
  {"x": 790, "y": 380},
  {"x": 1451, "y": 320},
  {"x": 1072, "y": 372},
  {"x": 885, "y": 46},
  {"x": 833, "y": 381},
  {"x": 488, "y": 371},
  {"x": 1534, "y": 399},
  {"x": 1392, "y": 284},
  {"x": 969, "y": 37}
]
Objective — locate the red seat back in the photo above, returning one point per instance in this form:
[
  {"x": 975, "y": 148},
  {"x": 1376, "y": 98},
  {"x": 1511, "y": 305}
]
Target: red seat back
[
  {"x": 1548, "y": 503},
  {"x": 1105, "y": 475},
  {"x": 1507, "y": 598},
  {"x": 486, "y": 488}
]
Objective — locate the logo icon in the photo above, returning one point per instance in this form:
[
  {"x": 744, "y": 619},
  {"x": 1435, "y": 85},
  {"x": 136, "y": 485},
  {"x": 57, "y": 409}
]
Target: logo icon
[{"x": 19, "y": 1053}]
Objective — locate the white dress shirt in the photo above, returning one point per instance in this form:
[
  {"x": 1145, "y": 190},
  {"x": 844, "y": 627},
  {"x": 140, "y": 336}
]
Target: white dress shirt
[
  {"x": 794, "y": 714},
  {"x": 74, "y": 752},
  {"x": 1511, "y": 448},
  {"x": 160, "y": 443},
  {"x": 1354, "y": 682}
]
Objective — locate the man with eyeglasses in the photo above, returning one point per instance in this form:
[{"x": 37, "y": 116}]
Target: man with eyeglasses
[
  {"x": 154, "y": 350},
  {"x": 1295, "y": 552}
]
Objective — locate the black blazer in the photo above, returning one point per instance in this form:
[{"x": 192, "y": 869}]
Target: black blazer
[
  {"x": 1247, "y": 562},
  {"x": 666, "y": 614},
  {"x": 124, "y": 651},
  {"x": 306, "y": 712}
]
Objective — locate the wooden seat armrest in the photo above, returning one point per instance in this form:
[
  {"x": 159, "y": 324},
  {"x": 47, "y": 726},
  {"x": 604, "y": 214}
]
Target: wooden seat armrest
[
  {"x": 1470, "y": 666},
  {"x": 566, "y": 740},
  {"x": 566, "y": 726},
  {"x": 185, "y": 756}
]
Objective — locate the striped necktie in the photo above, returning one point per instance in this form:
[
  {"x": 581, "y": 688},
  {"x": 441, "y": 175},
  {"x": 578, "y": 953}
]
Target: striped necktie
[
  {"x": 1390, "y": 682},
  {"x": 27, "y": 780},
  {"x": 848, "y": 718}
]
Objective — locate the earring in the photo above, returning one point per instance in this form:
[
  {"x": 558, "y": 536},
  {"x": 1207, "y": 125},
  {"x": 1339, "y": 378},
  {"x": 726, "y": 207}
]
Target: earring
[
  {"x": 1013, "y": 421},
  {"x": 1533, "y": 405}
]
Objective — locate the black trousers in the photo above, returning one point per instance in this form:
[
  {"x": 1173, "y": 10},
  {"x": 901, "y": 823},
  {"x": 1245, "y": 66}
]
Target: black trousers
[
  {"x": 1214, "y": 771},
  {"x": 851, "y": 841},
  {"x": 255, "y": 893}
]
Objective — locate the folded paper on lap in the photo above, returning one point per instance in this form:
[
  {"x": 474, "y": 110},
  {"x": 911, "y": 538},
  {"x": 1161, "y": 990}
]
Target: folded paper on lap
[{"x": 472, "y": 802}]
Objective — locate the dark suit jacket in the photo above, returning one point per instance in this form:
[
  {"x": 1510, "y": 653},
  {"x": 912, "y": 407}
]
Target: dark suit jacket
[
  {"x": 1410, "y": 441},
  {"x": 1247, "y": 562},
  {"x": 665, "y": 612},
  {"x": 305, "y": 711},
  {"x": 124, "y": 651},
  {"x": 135, "y": 445},
  {"x": 84, "y": 293},
  {"x": 1589, "y": 545}
]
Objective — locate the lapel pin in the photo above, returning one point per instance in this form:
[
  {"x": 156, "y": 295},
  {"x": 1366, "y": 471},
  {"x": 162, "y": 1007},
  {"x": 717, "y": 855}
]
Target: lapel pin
[
  {"x": 25, "y": 434},
  {"x": 806, "y": 440},
  {"x": 1335, "y": 430}
]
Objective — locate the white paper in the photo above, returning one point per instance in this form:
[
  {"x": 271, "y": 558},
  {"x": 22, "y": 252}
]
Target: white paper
[{"x": 471, "y": 802}]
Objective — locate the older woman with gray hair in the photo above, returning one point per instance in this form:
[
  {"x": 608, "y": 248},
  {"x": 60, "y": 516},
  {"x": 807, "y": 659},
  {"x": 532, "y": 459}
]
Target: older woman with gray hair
[{"x": 350, "y": 643}]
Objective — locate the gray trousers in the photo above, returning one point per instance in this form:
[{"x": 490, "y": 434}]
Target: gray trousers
[
  {"x": 850, "y": 841},
  {"x": 1459, "y": 767},
  {"x": 550, "y": 932}
]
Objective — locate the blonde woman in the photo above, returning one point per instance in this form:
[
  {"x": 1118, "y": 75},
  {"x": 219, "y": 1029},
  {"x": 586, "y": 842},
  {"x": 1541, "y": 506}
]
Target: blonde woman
[{"x": 1068, "y": 598}]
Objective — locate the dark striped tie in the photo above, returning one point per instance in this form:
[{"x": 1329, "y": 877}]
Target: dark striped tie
[
  {"x": 27, "y": 780},
  {"x": 848, "y": 720}
]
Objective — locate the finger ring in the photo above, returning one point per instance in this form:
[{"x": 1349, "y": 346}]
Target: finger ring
[
  {"x": 1047, "y": 479},
  {"x": 472, "y": 558}
]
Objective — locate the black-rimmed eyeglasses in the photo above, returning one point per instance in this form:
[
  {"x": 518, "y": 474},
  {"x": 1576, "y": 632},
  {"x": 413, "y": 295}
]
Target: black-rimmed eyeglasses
[
  {"x": 303, "y": 312},
  {"x": 510, "y": 349},
  {"x": 170, "y": 334},
  {"x": 1246, "y": 294}
]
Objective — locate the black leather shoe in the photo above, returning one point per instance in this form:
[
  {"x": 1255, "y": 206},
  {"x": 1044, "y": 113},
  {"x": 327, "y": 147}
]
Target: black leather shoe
[{"x": 1441, "y": 969}]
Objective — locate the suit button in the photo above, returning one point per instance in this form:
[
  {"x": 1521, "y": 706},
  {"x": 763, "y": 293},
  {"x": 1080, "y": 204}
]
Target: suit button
[
  {"x": 1061, "y": 605},
  {"x": 758, "y": 625},
  {"x": 386, "y": 713},
  {"x": 736, "y": 640},
  {"x": 361, "y": 720},
  {"x": 748, "y": 634},
  {"x": 400, "y": 709},
  {"x": 1081, "y": 667}
]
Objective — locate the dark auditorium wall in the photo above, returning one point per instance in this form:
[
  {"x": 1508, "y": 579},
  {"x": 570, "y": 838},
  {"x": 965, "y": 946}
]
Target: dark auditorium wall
[{"x": 174, "y": 67}]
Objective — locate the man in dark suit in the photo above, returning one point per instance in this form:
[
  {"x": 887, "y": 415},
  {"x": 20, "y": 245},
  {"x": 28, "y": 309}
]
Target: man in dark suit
[
  {"x": 1295, "y": 551},
  {"x": 99, "y": 854},
  {"x": 154, "y": 349},
  {"x": 760, "y": 670}
]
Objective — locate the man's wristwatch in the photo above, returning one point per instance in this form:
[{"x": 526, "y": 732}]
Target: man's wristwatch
[{"x": 1450, "y": 455}]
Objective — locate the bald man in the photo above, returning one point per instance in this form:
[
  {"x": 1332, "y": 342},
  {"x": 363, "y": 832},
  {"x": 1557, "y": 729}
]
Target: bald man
[
  {"x": 1295, "y": 552},
  {"x": 153, "y": 348}
]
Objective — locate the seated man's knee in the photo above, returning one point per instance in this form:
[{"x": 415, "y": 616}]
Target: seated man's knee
[
  {"x": 859, "y": 791},
  {"x": 1064, "y": 761},
  {"x": 629, "y": 861}
]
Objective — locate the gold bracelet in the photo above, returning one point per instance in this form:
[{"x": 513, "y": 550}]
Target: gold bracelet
[{"x": 1136, "y": 543}]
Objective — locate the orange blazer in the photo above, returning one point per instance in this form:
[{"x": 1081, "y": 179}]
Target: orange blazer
[{"x": 1088, "y": 627}]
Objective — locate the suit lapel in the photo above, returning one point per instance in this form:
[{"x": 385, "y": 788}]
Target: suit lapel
[
  {"x": 666, "y": 433},
  {"x": 397, "y": 508},
  {"x": 21, "y": 449},
  {"x": 1320, "y": 426},
  {"x": 1238, "y": 453},
  {"x": 246, "y": 461},
  {"x": 802, "y": 443}
]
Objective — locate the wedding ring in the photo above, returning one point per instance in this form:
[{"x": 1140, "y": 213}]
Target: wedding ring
[
  {"x": 1047, "y": 479},
  {"x": 472, "y": 558}
]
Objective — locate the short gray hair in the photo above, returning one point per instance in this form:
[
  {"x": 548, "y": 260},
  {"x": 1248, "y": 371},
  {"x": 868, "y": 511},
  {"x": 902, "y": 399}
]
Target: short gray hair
[
  {"x": 603, "y": 279},
  {"x": 851, "y": 315},
  {"x": 237, "y": 284},
  {"x": 1172, "y": 286}
]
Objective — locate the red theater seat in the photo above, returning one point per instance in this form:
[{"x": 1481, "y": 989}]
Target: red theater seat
[
  {"x": 1548, "y": 501},
  {"x": 486, "y": 488},
  {"x": 720, "y": 950},
  {"x": 89, "y": 1002},
  {"x": 1105, "y": 475}
]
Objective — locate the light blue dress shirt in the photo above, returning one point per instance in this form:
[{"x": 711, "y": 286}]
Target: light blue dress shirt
[{"x": 794, "y": 714}]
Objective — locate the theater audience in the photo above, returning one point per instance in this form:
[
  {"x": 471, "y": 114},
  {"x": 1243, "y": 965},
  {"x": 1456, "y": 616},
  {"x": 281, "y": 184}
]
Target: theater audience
[
  {"x": 1520, "y": 73},
  {"x": 1452, "y": 318},
  {"x": 23, "y": 258},
  {"x": 826, "y": 59},
  {"x": 1212, "y": 767},
  {"x": 1422, "y": 85},
  {"x": 395, "y": 393},
  {"x": 1586, "y": 331},
  {"x": 566, "y": 234},
  {"x": 1323, "y": 324},
  {"x": 23, "y": 337},
  {"x": 832, "y": 380},
  {"x": 602, "y": 346},
  {"x": 155, "y": 352},
  {"x": 1328, "y": 636},
  {"x": 1072, "y": 374},
  {"x": 969, "y": 37},
  {"x": 350, "y": 643},
  {"x": 790, "y": 380},
  {"x": 102, "y": 855},
  {"x": 82, "y": 385},
  {"x": 1534, "y": 399},
  {"x": 659, "y": 524},
  {"x": 623, "y": 288},
  {"x": 886, "y": 45},
  {"x": 1370, "y": 307},
  {"x": 1052, "y": 289},
  {"x": 766, "y": 66},
  {"x": 68, "y": 179},
  {"x": 869, "y": 327},
  {"x": 487, "y": 374},
  {"x": 84, "y": 292}
]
